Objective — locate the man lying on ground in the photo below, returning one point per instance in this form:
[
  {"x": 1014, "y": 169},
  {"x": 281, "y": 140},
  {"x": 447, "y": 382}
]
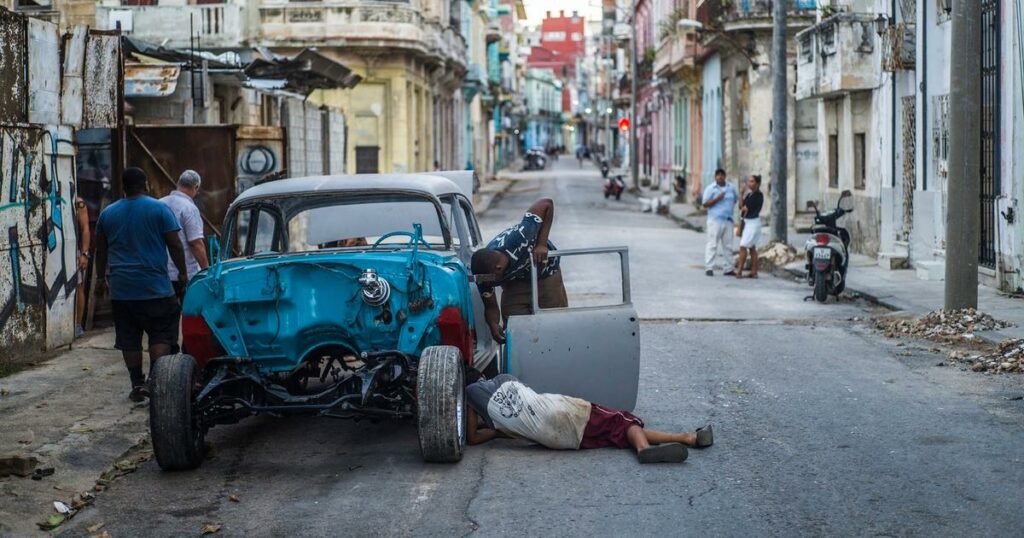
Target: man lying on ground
[{"x": 510, "y": 409}]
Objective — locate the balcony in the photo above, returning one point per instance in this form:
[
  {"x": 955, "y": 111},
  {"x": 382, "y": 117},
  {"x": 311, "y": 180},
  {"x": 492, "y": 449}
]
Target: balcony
[
  {"x": 840, "y": 54},
  {"x": 675, "y": 53},
  {"x": 739, "y": 15},
  {"x": 363, "y": 24},
  {"x": 220, "y": 26}
]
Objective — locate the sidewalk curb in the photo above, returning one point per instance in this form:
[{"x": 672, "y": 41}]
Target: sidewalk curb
[
  {"x": 796, "y": 272},
  {"x": 489, "y": 198}
]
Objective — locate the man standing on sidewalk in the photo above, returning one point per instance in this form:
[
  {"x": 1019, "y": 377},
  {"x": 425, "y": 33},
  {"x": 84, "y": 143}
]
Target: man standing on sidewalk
[
  {"x": 182, "y": 205},
  {"x": 719, "y": 199},
  {"x": 137, "y": 233}
]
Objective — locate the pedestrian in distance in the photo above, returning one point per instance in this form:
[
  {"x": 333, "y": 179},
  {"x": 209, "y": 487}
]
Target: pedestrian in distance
[
  {"x": 181, "y": 202},
  {"x": 84, "y": 254},
  {"x": 507, "y": 260},
  {"x": 719, "y": 198},
  {"x": 750, "y": 212},
  {"x": 505, "y": 407},
  {"x": 136, "y": 234}
]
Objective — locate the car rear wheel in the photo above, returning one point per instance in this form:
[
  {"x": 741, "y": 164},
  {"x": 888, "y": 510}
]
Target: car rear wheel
[
  {"x": 178, "y": 439},
  {"x": 440, "y": 406}
]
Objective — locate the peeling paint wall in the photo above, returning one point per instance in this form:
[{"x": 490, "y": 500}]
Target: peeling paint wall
[{"x": 38, "y": 273}]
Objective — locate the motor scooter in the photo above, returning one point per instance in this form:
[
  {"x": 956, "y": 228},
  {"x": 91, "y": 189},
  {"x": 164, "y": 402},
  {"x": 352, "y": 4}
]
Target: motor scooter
[
  {"x": 613, "y": 186},
  {"x": 604, "y": 167},
  {"x": 828, "y": 250},
  {"x": 535, "y": 159}
]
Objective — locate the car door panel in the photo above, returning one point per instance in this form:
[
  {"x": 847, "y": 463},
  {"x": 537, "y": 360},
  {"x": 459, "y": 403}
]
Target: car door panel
[{"x": 589, "y": 352}]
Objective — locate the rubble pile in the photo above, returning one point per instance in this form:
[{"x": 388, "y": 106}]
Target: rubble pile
[
  {"x": 776, "y": 254},
  {"x": 1008, "y": 357},
  {"x": 942, "y": 325}
]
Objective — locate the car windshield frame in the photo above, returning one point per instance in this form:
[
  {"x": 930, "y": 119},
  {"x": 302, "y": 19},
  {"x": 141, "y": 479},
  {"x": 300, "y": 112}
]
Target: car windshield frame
[{"x": 285, "y": 207}]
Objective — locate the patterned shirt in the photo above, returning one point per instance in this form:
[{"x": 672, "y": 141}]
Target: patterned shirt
[{"x": 517, "y": 242}]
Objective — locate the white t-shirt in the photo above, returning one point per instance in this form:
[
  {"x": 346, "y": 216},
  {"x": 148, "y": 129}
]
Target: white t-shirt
[
  {"x": 191, "y": 222},
  {"x": 553, "y": 420}
]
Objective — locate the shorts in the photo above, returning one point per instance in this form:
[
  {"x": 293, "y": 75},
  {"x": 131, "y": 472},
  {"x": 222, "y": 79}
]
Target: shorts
[
  {"x": 608, "y": 427},
  {"x": 158, "y": 318},
  {"x": 517, "y": 297}
]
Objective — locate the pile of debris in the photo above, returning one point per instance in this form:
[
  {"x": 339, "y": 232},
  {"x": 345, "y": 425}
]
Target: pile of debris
[
  {"x": 776, "y": 254},
  {"x": 1008, "y": 357},
  {"x": 941, "y": 325}
]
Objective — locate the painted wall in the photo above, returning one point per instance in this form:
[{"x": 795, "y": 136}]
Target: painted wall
[{"x": 712, "y": 116}]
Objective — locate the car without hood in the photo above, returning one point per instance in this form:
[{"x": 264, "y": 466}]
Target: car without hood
[{"x": 350, "y": 297}]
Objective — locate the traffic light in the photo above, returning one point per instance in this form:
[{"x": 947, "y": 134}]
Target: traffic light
[{"x": 624, "y": 124}]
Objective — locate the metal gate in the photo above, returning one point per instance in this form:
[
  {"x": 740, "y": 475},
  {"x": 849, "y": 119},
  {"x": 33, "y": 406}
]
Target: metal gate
[{"x": 989, "y": 130}]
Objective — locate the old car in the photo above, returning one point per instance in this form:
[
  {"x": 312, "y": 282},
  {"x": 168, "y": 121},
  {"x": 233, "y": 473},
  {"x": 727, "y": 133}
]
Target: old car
[{"x": 350, "y": 297}]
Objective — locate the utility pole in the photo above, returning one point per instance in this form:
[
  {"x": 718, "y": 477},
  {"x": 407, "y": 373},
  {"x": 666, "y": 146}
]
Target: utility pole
[
  {"x": 963, "y": 186},
  {"x": 780, "y": 122},
  {"x": 634, "y": 161}
]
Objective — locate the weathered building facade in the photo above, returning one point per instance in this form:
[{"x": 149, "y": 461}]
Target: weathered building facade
[
  {"x": 45, "y": 104},
  {"x": 879, "y": 75}
]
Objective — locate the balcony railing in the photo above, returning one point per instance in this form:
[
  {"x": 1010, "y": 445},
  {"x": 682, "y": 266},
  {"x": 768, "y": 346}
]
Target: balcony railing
[
  {"x": 218, "y": 25},
  {"x": 719, "y": 13}
]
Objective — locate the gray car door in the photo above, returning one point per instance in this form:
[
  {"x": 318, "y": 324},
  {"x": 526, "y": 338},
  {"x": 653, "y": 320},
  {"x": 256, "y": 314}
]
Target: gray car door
[{"x": 591, "y": 352}]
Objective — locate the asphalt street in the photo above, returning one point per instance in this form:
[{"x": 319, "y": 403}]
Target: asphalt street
[{"x": 822, "y": 426}]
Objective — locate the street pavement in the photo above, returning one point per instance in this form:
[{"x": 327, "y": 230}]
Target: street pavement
[{"x": 823, "y": 427}]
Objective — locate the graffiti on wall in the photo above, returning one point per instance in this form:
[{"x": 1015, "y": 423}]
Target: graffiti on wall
[{"x": 37, "y": 247}]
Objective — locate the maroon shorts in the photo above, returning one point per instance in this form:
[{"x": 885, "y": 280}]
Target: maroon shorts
[{"x": 607, "y": 427}]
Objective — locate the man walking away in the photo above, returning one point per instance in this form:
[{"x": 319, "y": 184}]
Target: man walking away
[
  {"x": 719, "y": 199},
  {"x": 750, "y": 210},
  {"x": 507, "y": 257},
  {"x": 182, "y": 204},
  {"x": 508, "y": 408},
  {"x": 137, "y": 233}
]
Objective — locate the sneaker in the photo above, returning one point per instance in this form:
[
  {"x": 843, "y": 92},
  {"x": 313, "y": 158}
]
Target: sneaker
[
  {"x": 730, "y": 272},
  {"x": 705, "y": 436},
  {"x": 709, "y": 272},
  {"x": 664, "y": 453},
  {"x": 139, "y": 393}
]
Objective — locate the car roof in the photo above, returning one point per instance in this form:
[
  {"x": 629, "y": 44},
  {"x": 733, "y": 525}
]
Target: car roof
[{"x": 425, "y": 183}]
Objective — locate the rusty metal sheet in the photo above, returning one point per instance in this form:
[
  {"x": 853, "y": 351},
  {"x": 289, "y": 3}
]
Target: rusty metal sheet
[
  {"x": 14, "y": 97},
  {"x": 165, "y": 151},
  {"x": 43, "y": 72},
  {"x": 101, "y": 80},
  {"x": 150, "y": 80},
  {"x": 74, "y": 64}
]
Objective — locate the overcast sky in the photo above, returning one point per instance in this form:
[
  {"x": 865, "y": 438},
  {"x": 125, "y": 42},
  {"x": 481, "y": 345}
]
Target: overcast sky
[{"x": 535, "y": 9}]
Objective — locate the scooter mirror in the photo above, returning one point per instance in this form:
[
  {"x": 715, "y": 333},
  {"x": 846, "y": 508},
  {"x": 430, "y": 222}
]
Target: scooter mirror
[
  {"x": 811, "y": 204},
  {"x": 845, "y": 201}
]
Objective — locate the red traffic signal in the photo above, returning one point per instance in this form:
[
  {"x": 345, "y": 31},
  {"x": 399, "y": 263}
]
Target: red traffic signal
[{"x": 624, "y": 124}]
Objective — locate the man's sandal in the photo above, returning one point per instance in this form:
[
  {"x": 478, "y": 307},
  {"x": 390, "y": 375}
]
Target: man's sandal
[
  {"x": 663, "y": 453},
  {"x": 705, "y": 437}
]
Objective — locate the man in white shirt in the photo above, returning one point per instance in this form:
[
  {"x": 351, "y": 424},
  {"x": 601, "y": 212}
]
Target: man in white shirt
[
  {"x": 508, "y": 408},
  {"x": 182, "y": 205}
]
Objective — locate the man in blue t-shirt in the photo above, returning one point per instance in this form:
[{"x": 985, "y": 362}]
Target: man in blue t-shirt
[
  {"x": 136, "y": 234},
  {"x": 507, "y": 257}
]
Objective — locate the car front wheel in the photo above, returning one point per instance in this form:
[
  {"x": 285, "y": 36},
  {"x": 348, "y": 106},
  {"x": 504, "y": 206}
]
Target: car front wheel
[
  {"x": 440, "y": 405},
  {"x": 178, "y": 439}
]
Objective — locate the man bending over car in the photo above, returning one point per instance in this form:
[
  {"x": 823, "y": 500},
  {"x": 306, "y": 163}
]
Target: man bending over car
[
  {"x": 510, "y": 409},
  {"x": 507, "y": 258}
]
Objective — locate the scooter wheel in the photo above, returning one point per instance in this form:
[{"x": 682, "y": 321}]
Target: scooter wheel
[{"x": 606, "y": 195}]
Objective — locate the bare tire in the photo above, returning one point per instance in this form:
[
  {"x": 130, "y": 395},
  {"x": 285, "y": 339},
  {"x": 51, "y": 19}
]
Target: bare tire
[
  {"x": 178, "y": 440},
  {"x": 820, "y": 287},
  {"x": 440, "y": 408}
]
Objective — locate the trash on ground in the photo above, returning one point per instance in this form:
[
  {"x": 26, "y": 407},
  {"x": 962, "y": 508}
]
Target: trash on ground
[
  {"x": 96, "y": 527},
  {"x": 211, "y": 528},
  {"x": 42, "y": 472},
  {"x": 1006, "y": 357},
  {"x": 17, "y": 465},
  {"x": 775, "y": 255},
  {"x": 52, "y": 522},
  {"x": 234, "y": 498},
  {"x": 62, "y": 508},
  {"x": 941, "y": 325}
]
